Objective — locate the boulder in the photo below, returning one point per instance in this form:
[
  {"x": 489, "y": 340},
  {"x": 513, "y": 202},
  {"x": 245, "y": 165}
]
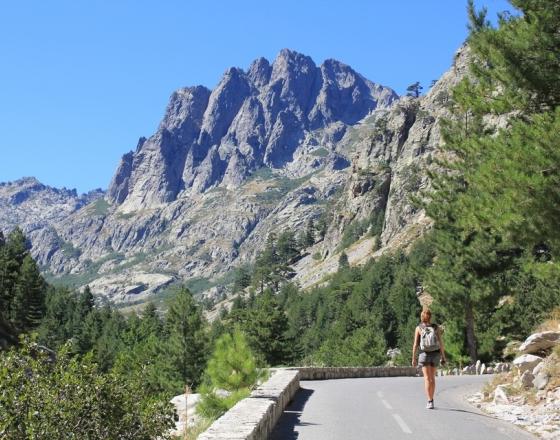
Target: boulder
[
  {"x": 538, "y": 368},
  {"x": 526, "y": 362},
  {"x": 490, "y": 370},
  {"x": 540, "y": 380},
  {"x": 527, "y": 379},
  {"x": 500, "y": 396},
  {"x": 540, "y": 341},
  {"x": 185, "y": 408}
]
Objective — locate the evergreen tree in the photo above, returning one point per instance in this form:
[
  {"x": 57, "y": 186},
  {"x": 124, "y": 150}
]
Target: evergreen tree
[
  {"x": 28, "y": 306},
  {"x": 287, "y": 246},
  {"x": 57, "y": 326},
  {"x": 233, "y": 368},
  {"x": 414, "y": 89},
  {"x": 187, "y": 343},
  {"x": 266, "y": 328},
  {"x": 343, "y": 262},
  {"x": 12, "y": 254},
  {"x": 310, "y": 233},
  {"x": 495, "y": 207},
  {"x": 151, "y": 323},
  {"x": 242, "y": 279}
]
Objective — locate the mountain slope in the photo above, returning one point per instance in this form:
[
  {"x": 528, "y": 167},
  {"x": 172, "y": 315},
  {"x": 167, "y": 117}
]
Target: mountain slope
[{"x": 268, "y": 149}]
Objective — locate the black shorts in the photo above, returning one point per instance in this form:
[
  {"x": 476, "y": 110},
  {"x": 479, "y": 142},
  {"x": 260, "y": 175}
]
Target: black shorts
[{"x": 429, "y": 358}]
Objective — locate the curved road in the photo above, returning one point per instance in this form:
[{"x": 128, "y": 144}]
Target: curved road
[{"x": 390, "y": 408}]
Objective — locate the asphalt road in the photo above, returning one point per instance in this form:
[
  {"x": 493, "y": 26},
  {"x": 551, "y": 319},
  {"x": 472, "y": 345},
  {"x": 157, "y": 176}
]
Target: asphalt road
[{"x": 390, "y": 408}]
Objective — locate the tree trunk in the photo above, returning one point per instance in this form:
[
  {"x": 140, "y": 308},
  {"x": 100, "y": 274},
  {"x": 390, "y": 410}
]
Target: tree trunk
[{"x": 471, "y": 339}]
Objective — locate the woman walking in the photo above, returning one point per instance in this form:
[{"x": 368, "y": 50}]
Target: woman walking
[{"x": 427, "y": 337}]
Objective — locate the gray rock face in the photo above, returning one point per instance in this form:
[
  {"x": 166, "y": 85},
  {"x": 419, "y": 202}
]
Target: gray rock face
[
  {"x": 267, "y": 150},
  {"x": 500, "y": 396},
  {"x": 527, "y": 379},
  {"x": 251, "y": 119},
  {"x": 540, "y": 380},
  {"x": 391, "y": 152},
  {"x": 540, "y": 341},
  {"x": 526, "y": 362},
  {"x": 32, "y": 206}
]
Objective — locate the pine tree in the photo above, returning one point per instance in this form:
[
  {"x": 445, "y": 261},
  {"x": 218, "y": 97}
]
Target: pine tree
[
  {"x": 266, "y": 328},
  {"x": 287, "y": 246},
  {"x": 28, "y": 307},
  {"x": 310, "y": 233},
  {"x": 242, "y": 279},
  {"x": 233, "y": 368},
  {"x": 187, "y": 343},
  {"x": 414, "y": 89},
  {"x": 12, "y": 254},
  {"x": 343, "y": 262},
  {"x": 497, "y": 202},
  {"x": 151, "y": 323},
  {"x": 56, "y": 327}
]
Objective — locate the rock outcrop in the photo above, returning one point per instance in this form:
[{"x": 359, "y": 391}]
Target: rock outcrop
[
  {"x": 268, "y": 149},
  {"x": 526, "y": 362},
  {"x": 540, "y": 341},
  {"x": 528, "y": 395},
  {"x": 253, "y": 119}
]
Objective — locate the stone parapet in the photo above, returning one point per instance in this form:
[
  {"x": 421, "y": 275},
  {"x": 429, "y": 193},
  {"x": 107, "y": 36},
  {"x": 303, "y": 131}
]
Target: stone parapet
[
  {"x": 324, "y": 373},
  {"x": 254, "y": 418}
]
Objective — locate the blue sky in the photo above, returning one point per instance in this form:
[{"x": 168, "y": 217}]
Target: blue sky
[{"x": 81, "y": 81}]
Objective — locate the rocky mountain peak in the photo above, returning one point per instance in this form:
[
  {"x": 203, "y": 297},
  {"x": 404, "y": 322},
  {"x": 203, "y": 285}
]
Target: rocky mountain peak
[
  {"x": 184, "y": 104},
  {"x": 251, "y": 119},
  {"x": 259, "y": 72}
]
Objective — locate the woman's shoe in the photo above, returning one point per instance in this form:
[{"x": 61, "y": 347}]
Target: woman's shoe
[{"x": 430, "y": 404}]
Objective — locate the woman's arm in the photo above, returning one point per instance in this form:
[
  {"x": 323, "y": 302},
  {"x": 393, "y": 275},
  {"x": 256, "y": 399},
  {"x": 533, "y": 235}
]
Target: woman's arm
[
  {"x": 414, "y": 347},
  {"x": 441, "y": 347}
]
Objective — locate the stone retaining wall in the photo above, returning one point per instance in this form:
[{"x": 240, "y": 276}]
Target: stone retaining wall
[
  {"x": 254, "y": 418},
  {"x": 324, "y": 373}
]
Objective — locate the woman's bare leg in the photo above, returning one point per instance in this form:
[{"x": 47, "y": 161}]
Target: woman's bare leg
[
  {"x": 432, "y": 385},
  {"x": 427, "y": 381}
]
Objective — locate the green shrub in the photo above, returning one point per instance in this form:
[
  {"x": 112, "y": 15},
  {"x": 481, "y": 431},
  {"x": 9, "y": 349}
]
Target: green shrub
[{"x": 48, "y": 396}]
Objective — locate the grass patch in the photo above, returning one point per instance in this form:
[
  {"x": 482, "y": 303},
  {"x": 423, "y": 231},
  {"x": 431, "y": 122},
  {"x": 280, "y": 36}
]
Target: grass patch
[
  {"x": 99, "y": 207},
  {"x": 320, "y": 152},
  {"x": 198, "y": 284},
  {"x": 69, "y": 250},
  {"x": 263, "y": 173},
  {"x": 283, "y": 185},
  {"x": 373, "y": 225},
  {"x": 552, "y": 368},
  {"x": 126, "y": 216},
  {"x": 552, "y": 323},
  {"x": 86, "y": 276},
  {"x": 193, "y": 432}
]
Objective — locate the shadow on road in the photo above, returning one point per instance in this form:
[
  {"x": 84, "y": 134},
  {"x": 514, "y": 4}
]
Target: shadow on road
[
  {"x": 465, "y": 411},
  {"x": 285, "y": 428}
]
